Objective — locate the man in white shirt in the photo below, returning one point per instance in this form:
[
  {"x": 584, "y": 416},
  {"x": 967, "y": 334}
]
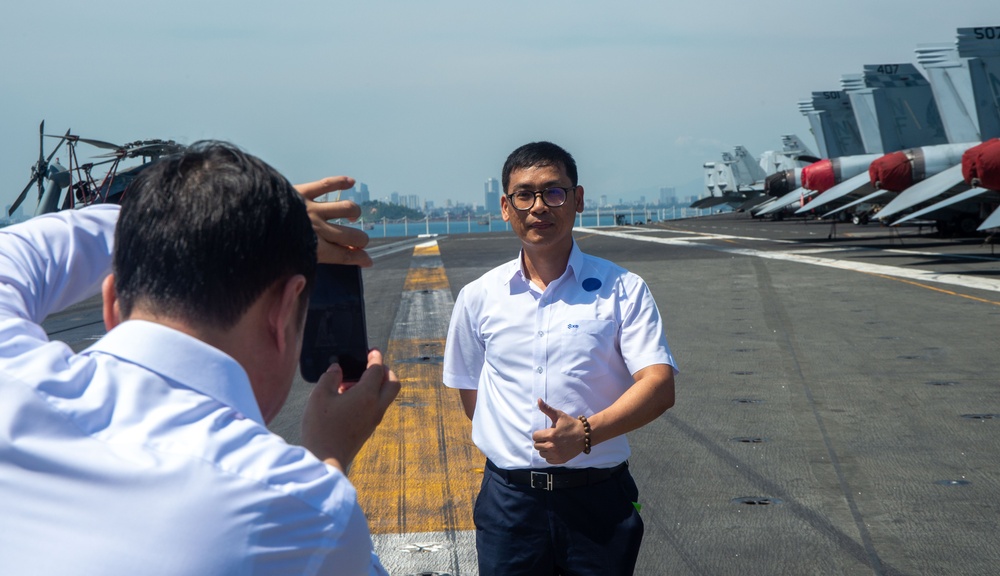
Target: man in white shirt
[
  {"x": 556, "y": 356},
  {"x": 147, "y": 453}
]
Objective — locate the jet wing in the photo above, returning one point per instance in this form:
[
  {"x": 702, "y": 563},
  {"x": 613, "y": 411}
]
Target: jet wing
[
  {"x": 849, "y": 186},
  {"x": 867, "y": 198},
  {"x": 701, "y": 202},
  {"x": 968, "y": 194},
  {"x": 762, "y": 206},
  {"x": 710, "y": 202},
  {"x": 992, "y": 221},
  {"x": 786, "y": 200},
  {"x": 751, "y": 202},
  {"x": 923, "y": 191}
]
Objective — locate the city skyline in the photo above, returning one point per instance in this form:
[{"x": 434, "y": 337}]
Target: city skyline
[{"x": 429, "y": 98}]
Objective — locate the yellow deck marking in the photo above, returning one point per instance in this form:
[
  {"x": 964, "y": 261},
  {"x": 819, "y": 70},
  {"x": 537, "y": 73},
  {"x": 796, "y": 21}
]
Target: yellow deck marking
[
  {"x": 942, "y": 290},
  {"x": 428, "y": 249},
  {"x": 420, "y": 471},
  {"x": 426, "y": 279}
]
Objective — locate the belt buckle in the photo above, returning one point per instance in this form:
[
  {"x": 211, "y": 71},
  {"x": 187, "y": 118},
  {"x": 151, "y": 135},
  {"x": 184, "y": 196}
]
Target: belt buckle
[{"x": 541, "y": 480}]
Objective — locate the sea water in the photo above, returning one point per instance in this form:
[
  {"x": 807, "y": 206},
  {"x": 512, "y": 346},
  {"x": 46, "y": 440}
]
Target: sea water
[{"x": 480, "y": 224}]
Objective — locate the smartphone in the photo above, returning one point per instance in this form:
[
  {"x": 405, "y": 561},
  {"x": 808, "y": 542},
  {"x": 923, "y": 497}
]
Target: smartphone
[{"x": 335, "y": 329}]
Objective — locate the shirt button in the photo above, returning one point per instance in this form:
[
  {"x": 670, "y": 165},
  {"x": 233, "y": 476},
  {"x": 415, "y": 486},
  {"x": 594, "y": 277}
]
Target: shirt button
[
  {"x": 540, "y": 333},
  {"x": 539, "y": 369}
]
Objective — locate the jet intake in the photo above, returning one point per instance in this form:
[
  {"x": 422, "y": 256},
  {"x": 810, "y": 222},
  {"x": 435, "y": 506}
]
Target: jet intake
[
  {"x": 893, "y": 172},
  {"x": 780, "y": 183},
  {"x": 819, "y": 176},
  {"x": 981, "y": 165}
]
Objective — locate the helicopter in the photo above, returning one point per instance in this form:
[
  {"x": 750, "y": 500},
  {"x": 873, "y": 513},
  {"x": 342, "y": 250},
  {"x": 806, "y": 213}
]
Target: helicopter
[{"x": 83, "y": 188}]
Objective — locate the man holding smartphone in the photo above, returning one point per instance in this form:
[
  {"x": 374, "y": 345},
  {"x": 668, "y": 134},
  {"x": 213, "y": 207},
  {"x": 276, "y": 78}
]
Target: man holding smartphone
[
  {"x": 556, "y": 355},
  {"x": 148, "y": 452}
]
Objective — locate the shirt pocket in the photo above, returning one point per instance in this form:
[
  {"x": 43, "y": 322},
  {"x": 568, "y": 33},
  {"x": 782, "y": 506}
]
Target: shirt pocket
[{"x": 584, "y": 347}]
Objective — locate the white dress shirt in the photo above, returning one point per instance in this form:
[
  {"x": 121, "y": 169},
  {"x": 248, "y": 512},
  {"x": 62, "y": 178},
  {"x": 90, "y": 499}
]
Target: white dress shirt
[
  {"x": 576, "y": 345},
  {"x": 146, "y": 453}
]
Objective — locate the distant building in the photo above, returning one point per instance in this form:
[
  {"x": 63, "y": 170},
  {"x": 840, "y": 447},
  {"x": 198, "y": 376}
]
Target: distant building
[
  {"x": 667, "y": 194},
  {"x": 349, "y": 194},
  {"x": 492, "y": 196},
  {"x": 394, "y": 199},
  {"x": 362, "y": 193}
]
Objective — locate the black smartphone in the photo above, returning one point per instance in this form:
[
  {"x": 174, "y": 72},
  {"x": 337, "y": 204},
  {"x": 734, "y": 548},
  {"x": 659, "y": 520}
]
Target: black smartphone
[{"x": 335, "y": 329}]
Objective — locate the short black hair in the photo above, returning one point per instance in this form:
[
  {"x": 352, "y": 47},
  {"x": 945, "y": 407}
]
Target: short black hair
[
  {"x": 203, "y": 234},
  {"x": 538, "y": 154}
]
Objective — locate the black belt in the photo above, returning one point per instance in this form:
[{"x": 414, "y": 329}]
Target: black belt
[{"x": 556, "y": 478}]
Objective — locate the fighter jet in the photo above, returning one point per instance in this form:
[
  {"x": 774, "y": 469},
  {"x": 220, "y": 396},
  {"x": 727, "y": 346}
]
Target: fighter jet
[
  {"x": 895, "y": 110},
  {"x": 716, "y": 183},
  {"x": 784, "y": 168},
  {"x": 784, "y": 173},
  {"x": 981, "y": 168},
  {"x": 740, "y": 181},
  {"x": 964, "y": 77},
  {"x": 737, "y": 181},
  {"x": 835, "y": 126}
]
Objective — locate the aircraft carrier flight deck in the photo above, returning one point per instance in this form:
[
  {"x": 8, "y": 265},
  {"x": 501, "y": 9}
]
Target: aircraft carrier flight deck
[{"x": 838, "y": 406}]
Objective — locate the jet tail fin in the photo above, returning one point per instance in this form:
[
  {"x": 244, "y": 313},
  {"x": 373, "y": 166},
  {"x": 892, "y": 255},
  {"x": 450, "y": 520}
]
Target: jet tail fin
[{"x": 980, "y": 45}]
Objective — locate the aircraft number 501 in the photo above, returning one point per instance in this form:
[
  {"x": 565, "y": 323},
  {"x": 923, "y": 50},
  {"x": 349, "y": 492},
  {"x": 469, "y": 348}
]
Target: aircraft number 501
[
  {"x": 988, "y": 33},
  {"x": 831, "y": 95},
  {"x": 887, "y": 69}
]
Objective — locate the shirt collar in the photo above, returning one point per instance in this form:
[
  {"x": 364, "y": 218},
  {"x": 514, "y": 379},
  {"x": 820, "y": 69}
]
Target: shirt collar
[
  {"x": 515, "y": 269},
  {"x": 182, "y": 359}
]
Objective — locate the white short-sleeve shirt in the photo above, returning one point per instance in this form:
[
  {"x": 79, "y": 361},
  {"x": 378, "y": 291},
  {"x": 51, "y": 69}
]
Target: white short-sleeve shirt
[
  {"x": 146, "y": 453},
  {"x": 575, "y": 345}
]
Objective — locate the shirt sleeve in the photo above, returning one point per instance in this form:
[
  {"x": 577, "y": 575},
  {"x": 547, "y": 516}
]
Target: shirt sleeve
[
  {"x": 464, "y": 351},
  {"x": 348, "y": 555},
  {"x": 643, "y": 338},
  {"x": 55, "y": 260}
]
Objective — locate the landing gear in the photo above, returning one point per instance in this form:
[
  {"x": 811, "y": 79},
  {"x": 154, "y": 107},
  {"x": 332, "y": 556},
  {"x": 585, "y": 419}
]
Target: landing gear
[
  {"x": 967, "y": 225},
  {"x": 964, "y": 225}
]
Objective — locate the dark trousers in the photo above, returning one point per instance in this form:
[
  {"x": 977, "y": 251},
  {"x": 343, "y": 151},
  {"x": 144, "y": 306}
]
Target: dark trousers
[{"x": 589, "y": 530}]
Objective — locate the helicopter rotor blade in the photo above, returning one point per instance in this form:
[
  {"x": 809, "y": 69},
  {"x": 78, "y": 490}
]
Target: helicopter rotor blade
[
  {"x": 91, "y": 141},
  {"x": 35, "y": 172},
  {"x": 100, "y": 143},
  {"x": 59, "y": 145},
  {"x": 41, "y": 130},
  {"x": 21, "y": 196},
  {"x": 120, "y": 153},
  {"x": 41, "y": 169}
]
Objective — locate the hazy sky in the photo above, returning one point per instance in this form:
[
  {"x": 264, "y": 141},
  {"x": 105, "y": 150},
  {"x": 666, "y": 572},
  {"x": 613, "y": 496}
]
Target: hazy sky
[{"x": 428, "y": 98}]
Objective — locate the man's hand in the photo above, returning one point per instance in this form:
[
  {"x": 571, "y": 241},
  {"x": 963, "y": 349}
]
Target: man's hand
[
  {"x": 336, "y": 244},
  {"x": 563, "y": 441},
  {"x": 338, "y": 420}
]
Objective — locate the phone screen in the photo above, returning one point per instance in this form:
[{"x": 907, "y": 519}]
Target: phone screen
[{"x": 335, "y": 330}]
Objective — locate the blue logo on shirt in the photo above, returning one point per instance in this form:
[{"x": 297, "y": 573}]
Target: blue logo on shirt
[
  {"x": 591, "y": 284},
  {"x": 572, "y": 326}
]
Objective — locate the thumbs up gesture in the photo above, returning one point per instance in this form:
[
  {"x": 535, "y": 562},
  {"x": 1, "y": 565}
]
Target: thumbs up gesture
[{"x": 563, "y": 441}]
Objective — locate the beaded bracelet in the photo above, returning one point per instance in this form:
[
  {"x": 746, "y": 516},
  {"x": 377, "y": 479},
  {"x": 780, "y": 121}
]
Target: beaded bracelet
[{"x": 586, "y": 434}]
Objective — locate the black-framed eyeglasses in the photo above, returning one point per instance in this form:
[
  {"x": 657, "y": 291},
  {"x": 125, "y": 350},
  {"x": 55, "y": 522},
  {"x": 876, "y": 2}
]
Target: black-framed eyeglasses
[{"x": 552, "y": 197}]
